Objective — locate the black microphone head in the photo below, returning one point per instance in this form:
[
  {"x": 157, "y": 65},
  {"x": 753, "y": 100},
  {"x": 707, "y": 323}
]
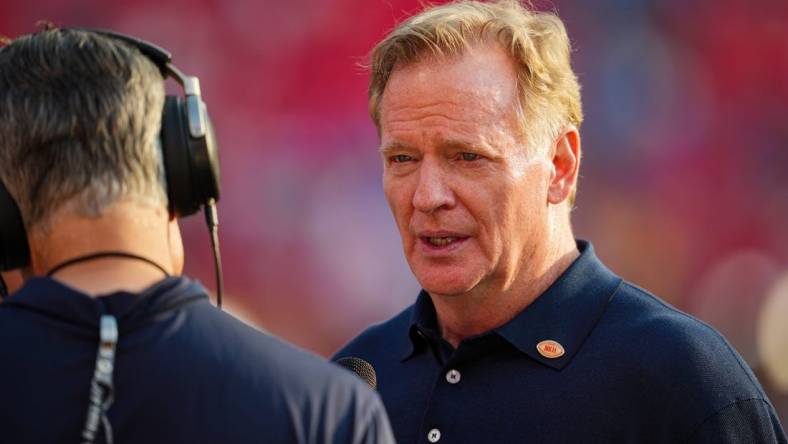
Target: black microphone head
[{"x": 362, "y": 368}]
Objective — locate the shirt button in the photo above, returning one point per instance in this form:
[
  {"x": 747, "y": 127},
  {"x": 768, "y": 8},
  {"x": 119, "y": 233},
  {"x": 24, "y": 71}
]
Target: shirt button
[
  {"x": 453, "y": 376},
  {"x": 434, "y": 435}
]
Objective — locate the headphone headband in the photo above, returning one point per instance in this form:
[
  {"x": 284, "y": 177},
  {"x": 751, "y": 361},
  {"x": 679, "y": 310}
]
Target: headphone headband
[{"x": 158, "y": 55}]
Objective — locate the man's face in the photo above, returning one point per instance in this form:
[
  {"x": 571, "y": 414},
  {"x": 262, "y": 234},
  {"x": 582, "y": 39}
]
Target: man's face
[{"x": 468, "y": 195}]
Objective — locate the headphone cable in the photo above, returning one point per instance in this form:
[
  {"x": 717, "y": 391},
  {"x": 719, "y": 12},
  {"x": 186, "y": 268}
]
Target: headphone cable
[{"x": 212, "y": 219}]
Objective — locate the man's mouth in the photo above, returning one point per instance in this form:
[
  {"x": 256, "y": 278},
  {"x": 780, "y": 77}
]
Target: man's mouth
[{"x": 440, "y": 241}]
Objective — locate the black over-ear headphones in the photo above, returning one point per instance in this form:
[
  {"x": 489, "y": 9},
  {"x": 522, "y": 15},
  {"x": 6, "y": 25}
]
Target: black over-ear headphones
[{"x": 190, "y": 154}]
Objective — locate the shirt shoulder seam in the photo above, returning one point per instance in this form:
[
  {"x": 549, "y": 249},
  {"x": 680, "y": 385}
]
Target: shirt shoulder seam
[
  {"x": 706, "y": 326},
  {"x": 719, "y": 411}
]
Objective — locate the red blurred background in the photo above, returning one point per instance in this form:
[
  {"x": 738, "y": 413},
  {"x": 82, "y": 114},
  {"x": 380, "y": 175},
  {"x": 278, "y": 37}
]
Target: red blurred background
[{"x": 684, "y": 188}]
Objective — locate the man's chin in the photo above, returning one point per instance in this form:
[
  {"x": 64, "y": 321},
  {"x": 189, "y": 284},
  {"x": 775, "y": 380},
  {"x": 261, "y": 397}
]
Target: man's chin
[
  {"x": 446, "y": 287},
  {"x": 448, "y": 279}
]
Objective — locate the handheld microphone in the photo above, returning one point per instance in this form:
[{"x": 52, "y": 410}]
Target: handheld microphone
[{"x": 360, "y": 367}]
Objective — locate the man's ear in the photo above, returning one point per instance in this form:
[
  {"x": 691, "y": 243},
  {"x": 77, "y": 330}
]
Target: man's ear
[{"x": 565, "y": 165}]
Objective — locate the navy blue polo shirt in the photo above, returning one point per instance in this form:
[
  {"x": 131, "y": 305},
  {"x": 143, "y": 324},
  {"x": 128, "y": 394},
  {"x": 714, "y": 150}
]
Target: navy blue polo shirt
[
  {"x": 633, "y": 369},
  {"x": 184, "y": 373}
]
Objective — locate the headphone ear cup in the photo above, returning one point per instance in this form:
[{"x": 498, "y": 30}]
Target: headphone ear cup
[
  {"x": 177, "y": 158},
  {"x": 191, "y": 164},
  {"x": 14, "y": 250}
]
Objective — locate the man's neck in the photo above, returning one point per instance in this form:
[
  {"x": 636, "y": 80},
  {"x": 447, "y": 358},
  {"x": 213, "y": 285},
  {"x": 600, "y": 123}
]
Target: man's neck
[
  {"x": 483, "y": 309},
  {"x": 126, "y": 227}
]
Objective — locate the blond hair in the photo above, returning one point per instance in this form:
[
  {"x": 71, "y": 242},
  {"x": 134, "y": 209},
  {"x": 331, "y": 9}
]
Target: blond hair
[{"x": 537, "y": 42}]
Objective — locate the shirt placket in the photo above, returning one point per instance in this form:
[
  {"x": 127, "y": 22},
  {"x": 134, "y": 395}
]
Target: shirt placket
[{"x": 437, "y": 425}]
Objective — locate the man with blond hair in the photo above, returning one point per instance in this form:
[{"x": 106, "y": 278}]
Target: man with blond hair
[{"x": 520, "y": 333}]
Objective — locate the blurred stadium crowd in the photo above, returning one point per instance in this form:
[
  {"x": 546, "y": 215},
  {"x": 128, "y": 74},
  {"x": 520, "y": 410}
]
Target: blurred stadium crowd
[{"x": 684, "y": 187}]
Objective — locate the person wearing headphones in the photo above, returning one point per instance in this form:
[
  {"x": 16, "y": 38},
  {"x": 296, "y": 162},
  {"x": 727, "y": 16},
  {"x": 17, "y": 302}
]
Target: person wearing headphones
[{"x": 106, "y": 341}]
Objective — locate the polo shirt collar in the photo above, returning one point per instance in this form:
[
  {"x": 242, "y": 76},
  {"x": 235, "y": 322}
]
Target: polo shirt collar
[
  {"x": 423, "y": 325},
  {"x": 53, "y": 299},
  {"x": 565, "y": 313}
]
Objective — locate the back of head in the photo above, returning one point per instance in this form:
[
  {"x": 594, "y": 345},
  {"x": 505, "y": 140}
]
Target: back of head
[
  {"x": 537, "y": 42},
  {"x": 80, "y": 116}
]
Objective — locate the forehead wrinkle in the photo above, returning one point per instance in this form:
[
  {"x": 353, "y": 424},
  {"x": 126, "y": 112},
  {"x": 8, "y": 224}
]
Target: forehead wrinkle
[
  {"x": 443, "y": 128},
  {"x": 436, "y": 117},
  {"x": 449, "y": 116},
  {"x": 424, "y": 115},
  {"x": 481, "y": 101}
]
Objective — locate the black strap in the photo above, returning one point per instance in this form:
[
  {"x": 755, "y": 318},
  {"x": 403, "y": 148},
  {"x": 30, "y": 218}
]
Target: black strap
[
  {"x": 102, "y": 389},
  {"x": 103, "y": 254}
]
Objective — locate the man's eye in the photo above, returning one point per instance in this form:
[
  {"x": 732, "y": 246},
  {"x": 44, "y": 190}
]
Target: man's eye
[
  {"x": 470, "y": 157},
  {"x": 400, "y": 158}
]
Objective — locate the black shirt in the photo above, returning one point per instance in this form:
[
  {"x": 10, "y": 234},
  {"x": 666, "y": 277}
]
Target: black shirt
[
  {"x": 633, "y": 369},
  {"x": 184, "y": 372}
]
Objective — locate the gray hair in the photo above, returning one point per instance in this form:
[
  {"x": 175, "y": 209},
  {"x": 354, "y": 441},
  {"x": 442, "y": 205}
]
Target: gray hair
[{"x": 80, "y": 116}]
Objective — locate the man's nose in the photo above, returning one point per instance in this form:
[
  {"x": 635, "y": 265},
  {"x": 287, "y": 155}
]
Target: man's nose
[{"x": 432, "y": 191}]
